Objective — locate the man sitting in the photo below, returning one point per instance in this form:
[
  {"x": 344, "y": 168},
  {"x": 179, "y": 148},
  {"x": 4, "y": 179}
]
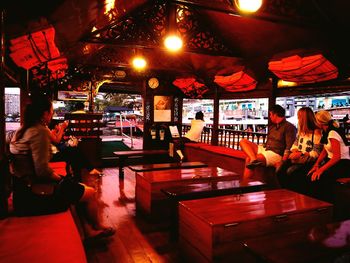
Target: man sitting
[
  {"x": 193, "y": 135},
  {"x": 280, "y": 138}
]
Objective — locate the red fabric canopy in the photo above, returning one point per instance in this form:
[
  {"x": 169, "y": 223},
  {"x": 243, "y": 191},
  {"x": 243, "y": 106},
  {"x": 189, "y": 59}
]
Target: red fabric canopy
[
  {"x": 307, "y": 69},
  {"x": 190, "y": 87},
  {"x": 56, "y": 69},
  {"x": 239, "y": 81},
  {"x": 31, "y": 50}
]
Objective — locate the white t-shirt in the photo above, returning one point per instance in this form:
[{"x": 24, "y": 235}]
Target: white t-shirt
[
  {"x": 194, "y": 134},
  {"x": 344, "y": 150}
]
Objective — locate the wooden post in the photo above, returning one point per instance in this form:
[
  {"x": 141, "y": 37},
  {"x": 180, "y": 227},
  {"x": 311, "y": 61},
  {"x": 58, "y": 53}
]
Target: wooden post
[
  {"x": 214, "y": 138},
  {"x": 272, "y": 95},
  {"x": 3, "y": 165}
]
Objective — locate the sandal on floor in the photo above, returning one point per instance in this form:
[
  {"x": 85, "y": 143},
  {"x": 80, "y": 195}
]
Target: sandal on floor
[
  {"x": 106, "y": 232},
  {"x": 103, "y": 233},
  {"x": 95, "y": 172},
  {"x": 254, "y": 164}
]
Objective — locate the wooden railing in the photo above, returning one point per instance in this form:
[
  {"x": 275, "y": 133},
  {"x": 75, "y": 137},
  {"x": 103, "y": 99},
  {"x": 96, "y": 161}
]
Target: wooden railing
[{"x": 228, "y": 137}]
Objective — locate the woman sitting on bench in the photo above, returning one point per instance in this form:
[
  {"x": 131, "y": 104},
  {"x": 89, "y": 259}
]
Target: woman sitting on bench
[
  {"x": 334, "y": 160},
  {"x": 37, "y": 188}
]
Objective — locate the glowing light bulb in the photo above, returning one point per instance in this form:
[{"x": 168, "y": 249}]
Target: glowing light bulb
[
  {"x": 249, "y": 5},
  {"x": 173, "y": 43},
  {"x": 139, "y": 63}
]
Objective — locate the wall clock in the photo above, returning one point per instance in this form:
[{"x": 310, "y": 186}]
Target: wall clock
[{"x": 153, "y": 83}]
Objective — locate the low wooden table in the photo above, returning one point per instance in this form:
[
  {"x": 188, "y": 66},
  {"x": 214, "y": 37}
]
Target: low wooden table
[
  {"x": 321, "y": 244},
  {"x": 155, "y": 204},
  {"x": 165, "y": 166},
  {"x": 205, "y": 190},
  {"x": 214, "y": 229},
  {"x": 124, "y": 155}
]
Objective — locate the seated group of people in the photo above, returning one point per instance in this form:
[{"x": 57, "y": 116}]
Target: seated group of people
[
  {"x": 307, "y": 160},
  {"x": 37, "y": 189}
]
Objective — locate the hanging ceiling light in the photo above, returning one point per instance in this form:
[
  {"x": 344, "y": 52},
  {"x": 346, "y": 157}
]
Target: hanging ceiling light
[
  {"x": 173, "y": 43},
  {"x": 139, "y": 63},
  {"x": 248, "y": 6}
]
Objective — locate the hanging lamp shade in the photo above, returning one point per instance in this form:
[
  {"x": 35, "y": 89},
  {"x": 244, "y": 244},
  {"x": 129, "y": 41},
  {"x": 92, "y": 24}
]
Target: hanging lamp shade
[
  {"x": 58, "y": 67},
  {"x": 35, "y": 48},
  {"x": 304, "y": 69},
  {"x": 238, "y": 81},
  {"x": 53, "y": 69},
  {"x": 191, "y": 87}
]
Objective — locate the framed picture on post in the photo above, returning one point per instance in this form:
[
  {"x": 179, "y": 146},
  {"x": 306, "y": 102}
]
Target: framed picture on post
[{"x": 162, "y": 108}]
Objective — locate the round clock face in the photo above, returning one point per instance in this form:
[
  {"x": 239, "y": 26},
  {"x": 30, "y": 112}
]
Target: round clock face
[{"x": 153, "y": 83}]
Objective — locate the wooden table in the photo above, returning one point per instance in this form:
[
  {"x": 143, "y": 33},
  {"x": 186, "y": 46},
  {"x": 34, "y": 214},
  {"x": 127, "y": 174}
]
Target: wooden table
[
  {"x": 205, "y": 190},
  {"x": 155, "y": 204},
  {"x": 165, "y": 166},
  {"x": 321, "y": 244},
  {"x": 124, "y": 155},
  {"x": 214, "y": 229}
]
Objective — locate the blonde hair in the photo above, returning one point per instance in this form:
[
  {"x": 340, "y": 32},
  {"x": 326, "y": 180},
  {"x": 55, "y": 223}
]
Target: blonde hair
[{"x": 324, "y": 117}]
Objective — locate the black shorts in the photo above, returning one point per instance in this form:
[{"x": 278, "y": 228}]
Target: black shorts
[{"x": 69, "y": 191}]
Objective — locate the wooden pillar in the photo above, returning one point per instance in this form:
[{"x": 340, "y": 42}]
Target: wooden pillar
[
  {"x": 214, "y": 138},
  {"x": 147, "y": 114},
  {"x": 3, "y": 165},
  {"x": 272, "y": 95},
  {"x": 2, "y": 89}
]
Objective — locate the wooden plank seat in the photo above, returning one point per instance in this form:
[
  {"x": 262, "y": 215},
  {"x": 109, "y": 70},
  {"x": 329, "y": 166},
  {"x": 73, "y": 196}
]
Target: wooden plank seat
[
  {"x": 230, "y": 159},
  {"x": 58, "y": 167},
  {"x": 205, "y": 190},
  {"x": 154, "y": 204},
  {"x": 48, "y": 238},
  {"x": 214, "y": 229},
  {"x": 165, "y": 166},
  {"x": 320, "y": 243},
  {"x": 124, "y": 155}
]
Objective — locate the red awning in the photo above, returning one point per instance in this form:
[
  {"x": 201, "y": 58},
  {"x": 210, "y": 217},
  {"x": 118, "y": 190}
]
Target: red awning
[
  {"x": 191, "y": 87},
  {"x": 307, "y": 69},
  {"x": 239, "y": 81}
]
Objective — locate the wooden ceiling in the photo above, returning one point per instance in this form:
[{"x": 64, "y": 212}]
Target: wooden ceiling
[{"x": 218, "y": 39}]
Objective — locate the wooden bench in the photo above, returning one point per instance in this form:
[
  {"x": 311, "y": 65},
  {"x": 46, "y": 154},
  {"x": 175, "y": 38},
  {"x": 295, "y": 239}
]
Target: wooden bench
[
  {"x": 320, "y": 243},
  {"x": 124, "y": 155},
  {"x": 205, "y": 190},
  {"x": 165, "y": 166},
  {"x": 230, "y": 159}
]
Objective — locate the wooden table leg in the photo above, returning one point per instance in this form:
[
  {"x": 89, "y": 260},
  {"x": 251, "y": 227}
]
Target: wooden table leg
[{"x": 121, "y": 166}]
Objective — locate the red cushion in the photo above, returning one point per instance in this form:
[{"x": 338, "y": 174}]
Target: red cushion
[
  {"x": 58, "y": 167},
  {"x": 219, "y": 150},
  {"x": 225, "y": 151},
  {"x": 49, "y": 238},
  {"x": 196, "y": 145}
]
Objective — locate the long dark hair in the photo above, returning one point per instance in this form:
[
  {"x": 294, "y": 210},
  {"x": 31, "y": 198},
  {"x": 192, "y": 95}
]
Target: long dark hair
[
  {"x": 33, "y": 113},
  {"x": 333, "y": 127}
]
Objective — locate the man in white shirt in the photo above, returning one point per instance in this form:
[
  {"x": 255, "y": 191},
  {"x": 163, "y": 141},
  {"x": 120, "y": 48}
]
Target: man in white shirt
[{"x": 194, "y": 134}]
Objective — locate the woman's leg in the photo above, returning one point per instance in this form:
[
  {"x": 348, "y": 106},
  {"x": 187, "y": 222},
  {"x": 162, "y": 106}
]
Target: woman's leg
[
  {"x": 324, "y": 188},
  {"x": 91, "y": 207},
  {"x": 282, "y": 174}
]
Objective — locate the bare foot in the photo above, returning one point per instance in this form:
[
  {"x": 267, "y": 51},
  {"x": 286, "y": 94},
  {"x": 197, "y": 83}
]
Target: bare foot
[{"x": 95, "y": 172}]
